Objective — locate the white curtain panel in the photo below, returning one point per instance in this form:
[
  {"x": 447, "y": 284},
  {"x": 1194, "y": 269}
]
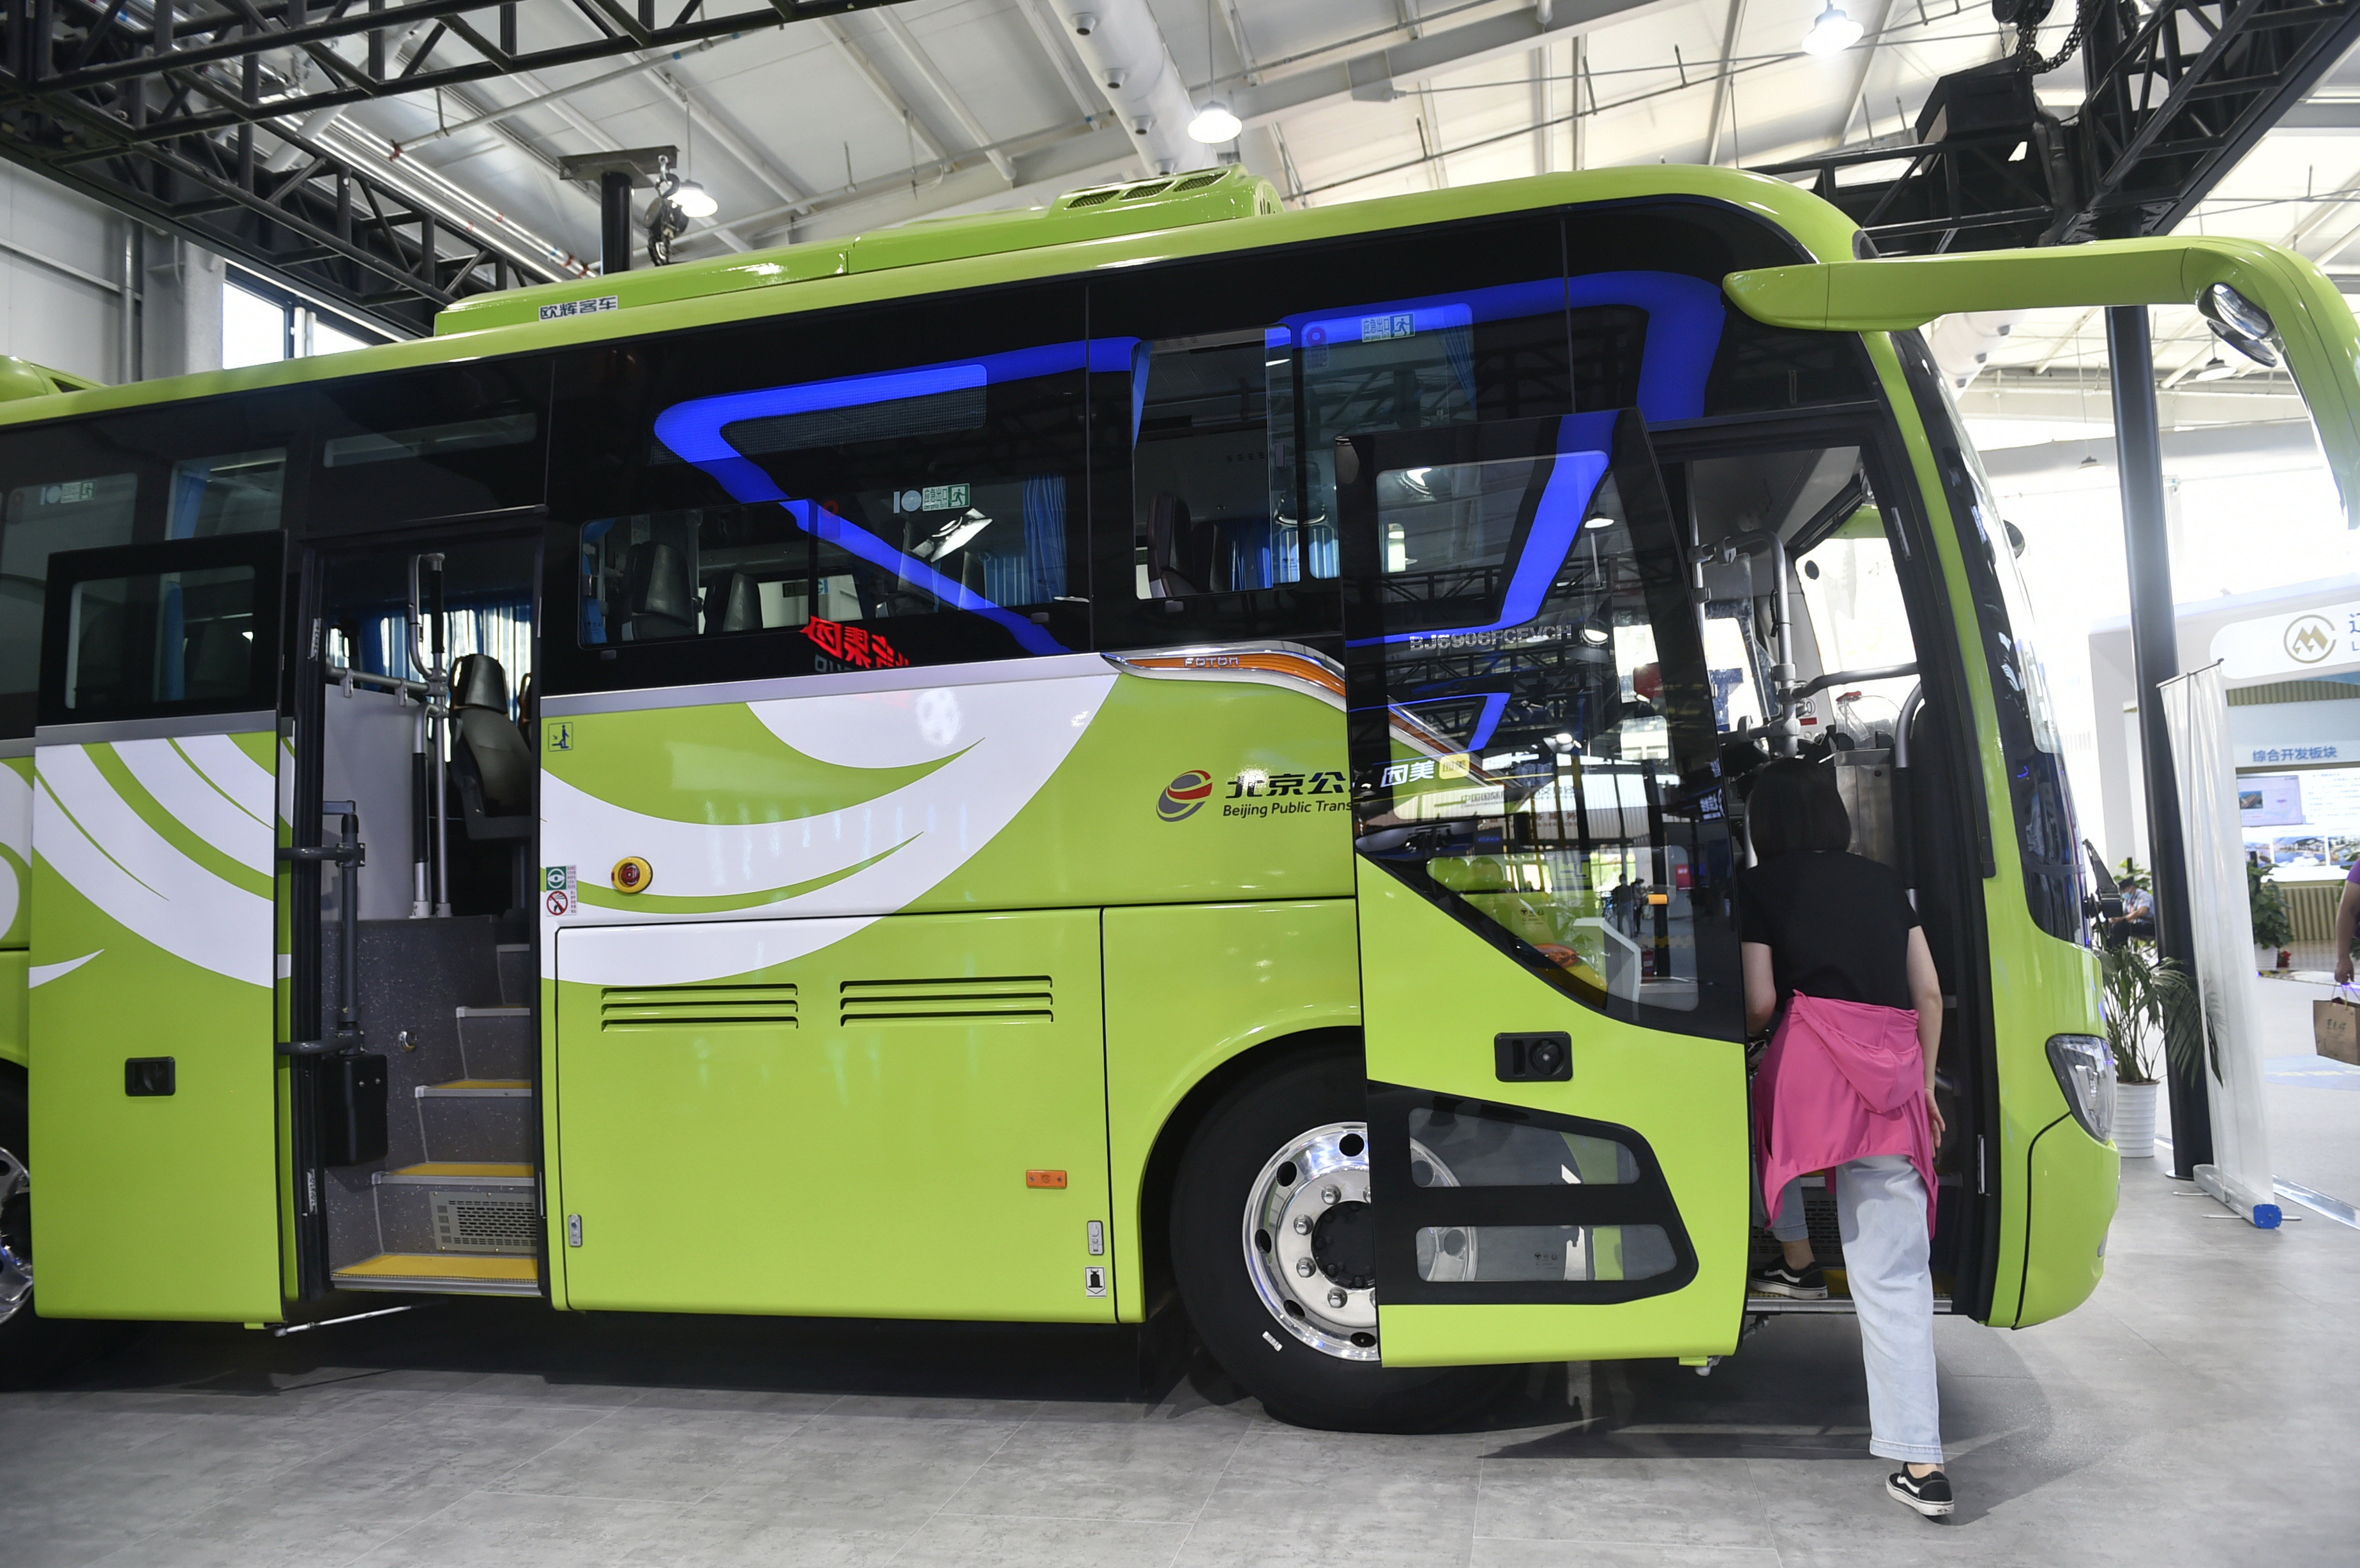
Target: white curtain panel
[{"x": 2196, "y": 707}]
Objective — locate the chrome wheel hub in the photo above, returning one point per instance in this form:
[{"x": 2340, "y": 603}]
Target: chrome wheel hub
[
  {"x": 1310, "y": 1238},
  {"x": 16, "y": 1267}
]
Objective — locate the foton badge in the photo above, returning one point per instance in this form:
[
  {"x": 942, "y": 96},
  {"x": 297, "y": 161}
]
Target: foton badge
[{"x": 632, "y": 875}]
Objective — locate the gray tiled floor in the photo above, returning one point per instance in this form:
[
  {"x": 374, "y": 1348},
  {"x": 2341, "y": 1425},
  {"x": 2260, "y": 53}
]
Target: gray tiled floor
[{"x": 2201, "y": 1411}]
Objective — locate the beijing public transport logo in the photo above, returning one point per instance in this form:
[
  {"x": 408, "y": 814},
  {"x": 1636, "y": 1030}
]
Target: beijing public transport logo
[
  {"x": 1185, "y": 795},
  {"x": 1254, "y": 793}
]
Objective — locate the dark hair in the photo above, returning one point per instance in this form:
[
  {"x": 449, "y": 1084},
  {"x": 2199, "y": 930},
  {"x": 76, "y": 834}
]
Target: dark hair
[{"x": 1794, "y": 807}]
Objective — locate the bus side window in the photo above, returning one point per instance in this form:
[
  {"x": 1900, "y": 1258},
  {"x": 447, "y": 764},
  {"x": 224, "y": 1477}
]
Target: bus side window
[
  {"x": 232, "y": 494},
  {"x": 1234, "y": 467},
  {"x": 39, "y": 521},
  {"x": 1213, "y": 491},
  {"x": 842, "y": 515},
  {"x": 1476, "y": 357},
  {"x": 711, "y": 571}
]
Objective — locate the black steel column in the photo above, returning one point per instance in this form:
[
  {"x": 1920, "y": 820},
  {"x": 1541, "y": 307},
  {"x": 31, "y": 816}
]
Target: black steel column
[
  {"x": 2155, "y": 654},
  {"x": 614, "y": 223}
]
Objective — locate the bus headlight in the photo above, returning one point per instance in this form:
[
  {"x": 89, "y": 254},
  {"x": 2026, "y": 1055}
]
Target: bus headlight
[{"x": 2085, "y": 1070}]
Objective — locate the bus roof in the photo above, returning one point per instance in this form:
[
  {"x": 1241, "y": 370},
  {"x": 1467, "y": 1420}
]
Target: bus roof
[
  {"x": 1100, "y": 211},
  {"x": 957, "y": 253}
]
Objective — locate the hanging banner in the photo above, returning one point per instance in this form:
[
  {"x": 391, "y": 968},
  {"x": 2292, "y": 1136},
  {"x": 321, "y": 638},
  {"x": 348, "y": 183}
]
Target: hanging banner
[{"x": 2196, "y": 709}]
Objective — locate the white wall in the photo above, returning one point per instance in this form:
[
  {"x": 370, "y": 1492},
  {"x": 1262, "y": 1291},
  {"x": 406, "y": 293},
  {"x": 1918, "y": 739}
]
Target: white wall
[{"x": 61, "y": 268}]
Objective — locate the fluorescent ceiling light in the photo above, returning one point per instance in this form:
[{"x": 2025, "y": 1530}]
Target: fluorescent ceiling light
[
  {"x": 1833, "y": 33},
  {"x": 1214, "y": 122}
]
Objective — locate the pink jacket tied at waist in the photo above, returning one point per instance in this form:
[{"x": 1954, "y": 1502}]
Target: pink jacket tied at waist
[{"x": 1843, "y": 1081}]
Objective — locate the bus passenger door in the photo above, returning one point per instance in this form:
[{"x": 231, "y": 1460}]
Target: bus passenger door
[
  {"x": 1550, "y": 995},
  {"x": 154, "y": 958}
]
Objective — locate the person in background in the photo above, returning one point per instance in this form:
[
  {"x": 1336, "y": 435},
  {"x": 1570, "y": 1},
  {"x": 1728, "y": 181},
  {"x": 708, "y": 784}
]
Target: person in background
[
  {"x": 2347, "y": 914},
  {"x": 2138, "y": 922},
  {"x": 1848, "y": 1086}
]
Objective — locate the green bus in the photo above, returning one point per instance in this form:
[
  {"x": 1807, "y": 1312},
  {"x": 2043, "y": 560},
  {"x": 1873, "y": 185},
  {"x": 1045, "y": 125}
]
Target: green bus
[{"x": 1037, "y": 767}]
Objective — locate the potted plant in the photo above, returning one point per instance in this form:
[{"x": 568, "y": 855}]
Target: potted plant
[
  {"x": 2273, "y": 932},
  {"x": 2147, "y": 1003}
]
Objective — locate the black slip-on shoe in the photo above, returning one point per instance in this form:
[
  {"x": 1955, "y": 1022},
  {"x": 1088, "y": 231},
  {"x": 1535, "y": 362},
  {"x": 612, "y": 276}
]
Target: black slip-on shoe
[
  {"x": 1805, "y": 1284},
  {"x": 1929, "y": 1493}
]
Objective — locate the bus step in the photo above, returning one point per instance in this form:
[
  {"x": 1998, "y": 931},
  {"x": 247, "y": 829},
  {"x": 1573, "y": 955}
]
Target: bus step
[
  {"x": 515, "y": 960},
  {"x": 459, "y": 1173},
  {"x": 1839, "y": 1297},
  {"x": 474, "y": 1120},
  {"x": 478, "y": 1089},
  {"x": 495, "y": 1042},
  {"x": 443, "y": 1273}
]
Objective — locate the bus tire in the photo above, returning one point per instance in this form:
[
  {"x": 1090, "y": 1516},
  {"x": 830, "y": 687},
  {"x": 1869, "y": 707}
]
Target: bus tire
[
  {"x": 33, "y": 1350},
  {"x": 1318, "y": 1367}
]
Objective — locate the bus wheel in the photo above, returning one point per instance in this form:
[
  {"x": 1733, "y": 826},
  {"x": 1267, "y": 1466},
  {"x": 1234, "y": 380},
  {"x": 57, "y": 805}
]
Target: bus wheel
[
  {"x": 33, "y": 1349},
  {"x": 1273, "y": 1250}
]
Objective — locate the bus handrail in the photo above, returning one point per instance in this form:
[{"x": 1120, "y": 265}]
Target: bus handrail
[{"x": 1846, "y": 677}]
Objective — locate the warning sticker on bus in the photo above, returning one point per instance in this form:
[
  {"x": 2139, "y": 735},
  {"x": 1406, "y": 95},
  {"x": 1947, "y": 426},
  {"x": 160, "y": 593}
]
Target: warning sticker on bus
[{"x": 558, "y": 883}]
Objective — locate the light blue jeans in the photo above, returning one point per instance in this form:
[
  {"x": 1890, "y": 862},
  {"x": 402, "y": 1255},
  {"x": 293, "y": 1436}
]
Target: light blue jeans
[{"x": 1881, "y": 1214}]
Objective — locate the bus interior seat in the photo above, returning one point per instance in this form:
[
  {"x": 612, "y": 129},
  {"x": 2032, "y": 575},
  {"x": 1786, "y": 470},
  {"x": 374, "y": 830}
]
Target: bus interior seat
[
  {"x": 662, "y": 594},
  {"x": 1179, "y": 550},
  {"x": 493, "y": 763},
  {"x": 739, "y": 608},
  {"x": 98, "y": 661},
  {"x": 221, "y": 660}
]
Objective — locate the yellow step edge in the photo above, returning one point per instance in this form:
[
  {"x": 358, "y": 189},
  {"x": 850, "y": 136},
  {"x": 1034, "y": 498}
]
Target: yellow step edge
[
  {"x": 460, "y": 1169},
  {"x": 515, "y": 1268}
]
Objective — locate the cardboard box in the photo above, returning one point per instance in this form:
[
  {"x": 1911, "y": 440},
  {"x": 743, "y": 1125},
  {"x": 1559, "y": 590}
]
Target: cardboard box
[{"x": 2335, "y": 1029}]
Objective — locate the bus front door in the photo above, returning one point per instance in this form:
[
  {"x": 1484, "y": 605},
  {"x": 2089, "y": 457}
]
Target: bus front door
[
  {"x": 1550, "y": 993},
  {"x": 155, "y": 946}
]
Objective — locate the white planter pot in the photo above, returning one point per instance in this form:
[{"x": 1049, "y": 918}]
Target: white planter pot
[{"x": 2135, "y": 1119}]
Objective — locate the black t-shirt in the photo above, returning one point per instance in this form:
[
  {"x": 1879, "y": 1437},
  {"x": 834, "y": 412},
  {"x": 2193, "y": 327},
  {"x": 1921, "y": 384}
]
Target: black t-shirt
[{"x": 1836, "y": 926}]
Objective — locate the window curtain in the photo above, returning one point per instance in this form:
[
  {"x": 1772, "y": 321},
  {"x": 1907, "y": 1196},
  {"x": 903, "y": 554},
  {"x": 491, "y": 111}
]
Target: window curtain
[
  {"x": 186, "y": 503},
  {"x": 1045, "y": 540},
  {"x": 502, "y": 628}
]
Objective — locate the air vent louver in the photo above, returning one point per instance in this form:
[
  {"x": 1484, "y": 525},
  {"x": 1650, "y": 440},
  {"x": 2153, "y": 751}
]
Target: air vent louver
[
  {"x": 702, "y": 1007},
  {"x": 983, "y": 1000},
  {"x": 484, "y": 1222},
  {"x": 1092, "y": 199},
  {"x": 1199, "y": 181},
  {"x": 1142, "y": 193}
]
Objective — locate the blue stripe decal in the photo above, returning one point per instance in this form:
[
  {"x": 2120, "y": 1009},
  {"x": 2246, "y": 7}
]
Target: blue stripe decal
[
  {"x": 1581, "y": 462},
  {"x": 697, "y": 431},
  {"x": 1685, "y": 316},
  {"x": 1494, "y": 704}
]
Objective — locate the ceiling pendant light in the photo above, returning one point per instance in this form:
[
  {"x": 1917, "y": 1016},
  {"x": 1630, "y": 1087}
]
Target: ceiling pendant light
[
  {"x": 2215, "y": 369},
  {"x": 1214, "y": 122},
  {"x": 1833, "y": 33},
  {"x": 694, "y": 200}
]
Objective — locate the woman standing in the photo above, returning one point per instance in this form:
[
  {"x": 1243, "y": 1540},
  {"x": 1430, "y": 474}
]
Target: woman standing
[{"x": 1848, "y": 1086}]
